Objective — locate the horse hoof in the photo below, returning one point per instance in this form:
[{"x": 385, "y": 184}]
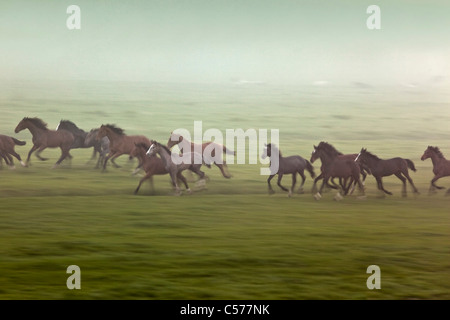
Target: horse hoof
[
  {"x": 300, "y": 191},
  {"x": 338, "y": 197},
  {"x": 23, "y": 164},
  {"x": 271, "y": 191},
  {"x": 289, "y": 194},
  {"x": 317, "y": 196},
  {"x": 189, "y": 191}
]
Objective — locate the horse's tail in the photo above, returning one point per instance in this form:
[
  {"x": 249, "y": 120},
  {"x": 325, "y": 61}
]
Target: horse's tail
[
  {"x": 411, "y": 165},
  {"x": 18, "y": 142},
  {"x": 310, "y": 169},
  {"x": 228, "y": 151}
]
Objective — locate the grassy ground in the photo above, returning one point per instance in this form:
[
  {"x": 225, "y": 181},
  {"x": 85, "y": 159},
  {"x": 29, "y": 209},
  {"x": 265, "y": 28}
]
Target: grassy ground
[{"x": 231, "y": 241}]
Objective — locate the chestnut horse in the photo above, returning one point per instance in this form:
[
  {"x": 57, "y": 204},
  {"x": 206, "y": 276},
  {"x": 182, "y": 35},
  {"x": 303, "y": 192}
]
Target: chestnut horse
[
  {"x": 119, "y": 142},
  {"x": 45, "y": 138},
  {"x": 441, "y": 166},
  {"x": 151, "y": 165},
  {"x": 188, "y": 146},
  {"x": 7, "y": 145}
]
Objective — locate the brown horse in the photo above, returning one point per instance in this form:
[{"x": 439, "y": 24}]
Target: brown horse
[
  {"x": 343, "y": 182},
  {"x": 335, "y": 167},
  {"x": 188, "y": 146},
  {"x": 7, "y": 145},
  {"x": 119, "y": 142},
  {"x": 441, "y": 166},
  {"x": 151, "y": 165},
  {"x": 45, "y": 138},
  {"x": 382, "y": 168}
]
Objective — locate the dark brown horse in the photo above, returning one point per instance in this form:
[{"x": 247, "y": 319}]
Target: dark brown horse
[
  {"x": 382, "y": 168},
  {"x": 45, "y": 138},
  {"x": 334, "y": 166},
  {"x": 343, "y": 182},
  {"x": 188, "y": 146},
  {"x": 119, "y": 142},
  {"x": 441, "y": 166},
  {"x": 7, "y": 145},
  {"x": 287, "y": 165}
]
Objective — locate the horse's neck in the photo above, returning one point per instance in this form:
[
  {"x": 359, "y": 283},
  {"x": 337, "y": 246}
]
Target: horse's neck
[
  {"x": 165, "y": 157},
  {"x": 435, "y": 159},
  {"x": 113, "y": 137},
  {"x": 326, "y": 158},
  {"x": 35, "y": 130}
]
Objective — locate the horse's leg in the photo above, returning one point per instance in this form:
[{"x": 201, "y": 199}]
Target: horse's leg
[
  {"x": 271, "y": 191},
  {"x": 318, "y": 195},
  {"x": 294, "y": 180},
  {"x": 399, "y": 175},
  {"x": 280, "y": 176},
  {"x": 302, "y": 174},
  {"x": 114, "y": 157},
  {"x": 314, "y": 187},
  {"x": 38, "y": 153},
  {"x": 64, "y": 154},
  {"x": 15, "y": 154},
  {"x": 220, "y": 166},
  {"x": 183, "y": 179},
  {"x": 147, "y": 176},
  {"x": 380, "y": 186},
  {"x": 436, "y": 178},
  {"x": 33, "y": 148},
  {"x": 411, "y": 182},
  {"x": 173, "y": 176}
]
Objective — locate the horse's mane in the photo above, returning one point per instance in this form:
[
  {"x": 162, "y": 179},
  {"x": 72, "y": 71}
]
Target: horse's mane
[
  {"x": 273, "y": 146},
  {"x": 115, "y": 129},
  {"x": 37, "y": 122},
  {"x": 369, "y": 154},
  {"x": 328, "y": 148},
  {"x": 163, "y": 146},
  {"x": 437, "y": 151},
  {"x": 70, "y": 126}
]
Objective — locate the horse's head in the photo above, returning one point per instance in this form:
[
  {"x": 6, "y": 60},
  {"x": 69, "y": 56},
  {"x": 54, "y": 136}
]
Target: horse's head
[
  {"x": 153, "y": 149},
  {"x": 102, "y": 132},
  {"x": 361, "y": 155},
  {"x": 429, "y": 152},
  {"x": 174, "y": 139},
  {"x": 315, "y": 154},
  {"x": 23, "y": 124},
  {"x": 267, "y": 152}
]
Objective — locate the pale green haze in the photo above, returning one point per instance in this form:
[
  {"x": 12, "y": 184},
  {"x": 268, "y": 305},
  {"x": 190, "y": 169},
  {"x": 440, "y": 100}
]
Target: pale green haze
[{"x": 287, "y": 42}]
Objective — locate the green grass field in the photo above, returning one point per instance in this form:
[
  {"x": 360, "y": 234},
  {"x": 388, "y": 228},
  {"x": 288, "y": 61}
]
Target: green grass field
[{"x": 233, "y": 240}]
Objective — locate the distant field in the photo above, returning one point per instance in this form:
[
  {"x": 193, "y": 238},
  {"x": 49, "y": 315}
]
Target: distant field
[{"x": 231, "y": 241}]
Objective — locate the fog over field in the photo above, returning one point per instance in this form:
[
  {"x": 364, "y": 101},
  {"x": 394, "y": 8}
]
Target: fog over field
[{"x": 274, "y": 42}]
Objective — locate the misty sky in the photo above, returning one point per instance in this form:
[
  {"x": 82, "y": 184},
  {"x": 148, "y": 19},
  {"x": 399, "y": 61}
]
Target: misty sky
[{"x": 276, "y": 41}]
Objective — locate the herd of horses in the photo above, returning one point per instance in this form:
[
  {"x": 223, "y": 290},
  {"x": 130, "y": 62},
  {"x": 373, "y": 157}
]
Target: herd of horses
[{"x": 110, "y": 142}]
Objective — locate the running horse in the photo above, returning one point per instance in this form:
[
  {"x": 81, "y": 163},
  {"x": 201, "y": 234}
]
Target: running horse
[
  {"x": 45, "y": 138},
  {"x": 187, "y": 146},
  {"x": 287, "y": 165},
  {"x": 343, "y": 183},
  {"x": 334, "y": 166},
  {"x": 7, "y": 145},
  {"x": 386, "y": 167},
  {"x": 119, "y": 142},
  {"x": 441, "y": 166},
  {"x": 175, "y": 168},
  {"x": 80, "y": 137}
]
